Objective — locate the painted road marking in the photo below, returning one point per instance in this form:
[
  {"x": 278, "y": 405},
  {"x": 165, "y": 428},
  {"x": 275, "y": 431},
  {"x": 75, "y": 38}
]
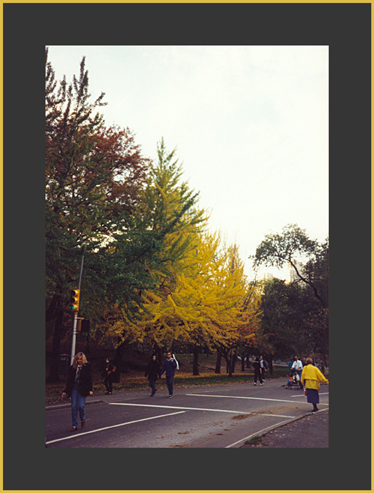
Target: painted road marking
[
  {"x": 110, "y": 427},
  {"x": 197, "y": 409},
  {"x": 302, "y": 395},
  {"x": 249, "y": 398}
]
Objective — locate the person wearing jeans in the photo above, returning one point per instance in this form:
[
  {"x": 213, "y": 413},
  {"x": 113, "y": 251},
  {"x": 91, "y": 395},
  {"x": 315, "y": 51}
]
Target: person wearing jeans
[
  {"x": 78, "y": 402},
  {"x": 78, "y": 387},
  {"x": 169, "y": 368}
]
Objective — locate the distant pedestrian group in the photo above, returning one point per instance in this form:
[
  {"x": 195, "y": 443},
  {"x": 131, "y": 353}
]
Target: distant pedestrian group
[
  {"x": 79, "y": 380},
  {"x": 153, "y": 372}
]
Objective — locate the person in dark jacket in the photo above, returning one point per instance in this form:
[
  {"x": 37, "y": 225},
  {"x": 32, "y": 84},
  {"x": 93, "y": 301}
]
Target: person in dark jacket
[
  {"x": 257, "y": 368},
  {"x": 108, "y": 377},
  {"x": 169, "y": 368},
  {"x": 78, "y": 387},
  {"x": 153, "y": 372}
]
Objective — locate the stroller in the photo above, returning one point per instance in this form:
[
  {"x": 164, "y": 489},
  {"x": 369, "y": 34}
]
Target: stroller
[{"x": 294, "y": 382}]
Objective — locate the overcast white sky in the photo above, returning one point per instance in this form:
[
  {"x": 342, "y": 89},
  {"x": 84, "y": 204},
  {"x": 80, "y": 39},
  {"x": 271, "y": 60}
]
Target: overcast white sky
[{"x": 250, "y": 124}]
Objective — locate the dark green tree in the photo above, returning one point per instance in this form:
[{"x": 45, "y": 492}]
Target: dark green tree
[
  {"x": 310, "y": 261},
  {"x": 293, "y": 246},
  {"x": 283, "y": 318},
  {"x": 93, "y": 179},
  {"x": 169, "y": 222}
]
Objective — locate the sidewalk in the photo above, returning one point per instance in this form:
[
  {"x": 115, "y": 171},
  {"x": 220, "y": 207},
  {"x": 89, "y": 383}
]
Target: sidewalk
[{"x": 310, "y": 431}]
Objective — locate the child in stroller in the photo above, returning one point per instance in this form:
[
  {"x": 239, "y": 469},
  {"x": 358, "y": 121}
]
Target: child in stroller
[{"x": 294, "y": 380}]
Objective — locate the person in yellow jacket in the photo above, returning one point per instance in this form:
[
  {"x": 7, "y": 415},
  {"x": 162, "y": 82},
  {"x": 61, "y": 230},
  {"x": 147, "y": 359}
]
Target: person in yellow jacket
[{"x": 311, "y": 377}]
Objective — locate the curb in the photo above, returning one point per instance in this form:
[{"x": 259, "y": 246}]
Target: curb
[{"x": 265, "y": 431}]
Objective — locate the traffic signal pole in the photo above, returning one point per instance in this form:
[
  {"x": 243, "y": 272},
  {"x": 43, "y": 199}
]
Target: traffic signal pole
[{"x": 73, "y": 342}]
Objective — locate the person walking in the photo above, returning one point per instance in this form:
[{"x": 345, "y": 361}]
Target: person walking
[
  {"x": 297, "y": 366},
  {"x": 153, "y": 372},
  {"x": 311, "y": 377},
  {"x": 78, "y": 387},
  {"x": 263, "y": 366},
  {"x": 257, "y": 368},
  {"x": 108, "y": 377},
  {"x": 169, "y": 367}
]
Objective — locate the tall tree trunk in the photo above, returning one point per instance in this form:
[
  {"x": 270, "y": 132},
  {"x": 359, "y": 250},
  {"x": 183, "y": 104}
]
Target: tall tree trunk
[
  {"x": 54, "y": 376},
  {"x": 271, "y": 371},
  {"x": 233, "y": 360},
  {"x": 229, "y": 364},
  {"x": 195, "y": 368},
  {"x": 228, "y": 358},
  {"x": 52, "y": 310},
  {"x": 243, "y": 363},
  {"x": 87, "y": 348},
  {"x": 218, "y": 362}
]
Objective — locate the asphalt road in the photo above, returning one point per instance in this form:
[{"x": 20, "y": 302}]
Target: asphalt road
[
  {"x": 219, "y": 416},
  {"x": 311, "y": 431}
]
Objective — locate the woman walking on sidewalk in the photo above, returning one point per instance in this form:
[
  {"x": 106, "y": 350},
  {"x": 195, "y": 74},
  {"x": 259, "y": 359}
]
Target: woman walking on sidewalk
[
  {"x": 78, "y": 386},
  {"x": 311, "y": 377}
]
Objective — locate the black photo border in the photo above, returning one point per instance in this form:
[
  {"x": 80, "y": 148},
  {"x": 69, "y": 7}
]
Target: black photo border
[{"x": 27, "y": 29}]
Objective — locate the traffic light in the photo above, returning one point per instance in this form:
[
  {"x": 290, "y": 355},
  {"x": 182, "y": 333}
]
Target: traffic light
[{"x": 74, "y": 300}]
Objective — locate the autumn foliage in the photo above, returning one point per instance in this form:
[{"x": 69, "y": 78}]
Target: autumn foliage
[{"x": 153, "y": 273}]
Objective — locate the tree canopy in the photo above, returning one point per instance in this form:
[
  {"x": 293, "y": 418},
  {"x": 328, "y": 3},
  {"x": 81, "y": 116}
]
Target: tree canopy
[
  {"x": 295, "y": 315},
  {"x": 152, "y": 271},
  {"x": 102, "y": 201},
  {"x": 294, "y": 245}
]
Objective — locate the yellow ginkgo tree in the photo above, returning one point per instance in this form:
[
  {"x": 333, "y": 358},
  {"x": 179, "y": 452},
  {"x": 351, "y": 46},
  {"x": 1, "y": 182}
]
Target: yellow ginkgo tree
[
  {"x": 201, "y": 286},
  {"x": 168, "y": 208},
  {"x": 202, "y": 303}
]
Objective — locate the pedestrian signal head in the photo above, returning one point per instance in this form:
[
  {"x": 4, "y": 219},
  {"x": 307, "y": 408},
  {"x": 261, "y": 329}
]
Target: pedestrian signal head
[{"x": 74, "y": 300}]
